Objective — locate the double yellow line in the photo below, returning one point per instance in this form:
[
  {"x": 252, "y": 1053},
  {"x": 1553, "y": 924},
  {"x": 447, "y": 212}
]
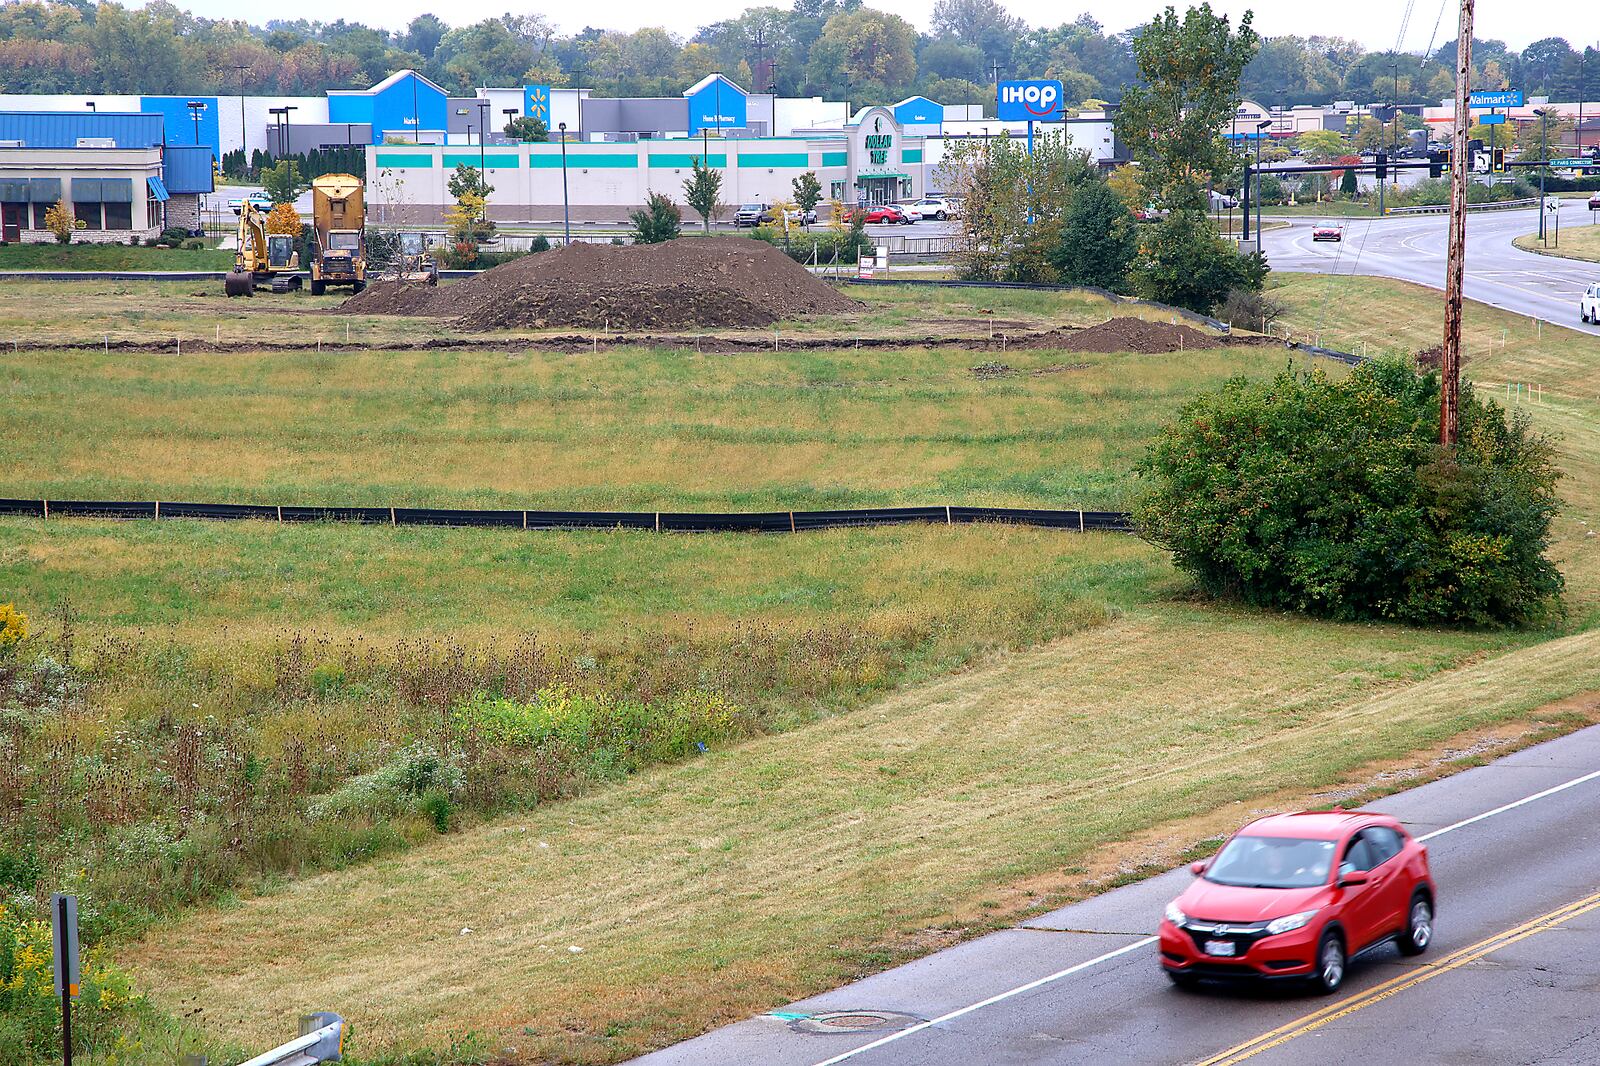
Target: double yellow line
[{"x": 1395, "y": 985}]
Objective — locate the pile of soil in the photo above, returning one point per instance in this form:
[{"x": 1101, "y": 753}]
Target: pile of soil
[
  {"x": 1430, "y": 358},
  {"x": 1125, "y": 335},
  {"x": 690, "y": 282}
]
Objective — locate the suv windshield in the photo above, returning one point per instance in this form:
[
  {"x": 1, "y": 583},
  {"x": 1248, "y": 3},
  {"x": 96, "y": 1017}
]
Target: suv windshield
[
  {"x": 751, "y": 207},
  {"x": 1272, "y": 862}
]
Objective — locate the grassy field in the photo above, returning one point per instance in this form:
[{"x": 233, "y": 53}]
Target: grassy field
[
  {"x": 1573, "y": 242},
  {"x": 641, "y": 428},
  {"x": 941, "y": 729},
  {"x": 109, "y": 257},
  {"x": 1325, "y": 209}
]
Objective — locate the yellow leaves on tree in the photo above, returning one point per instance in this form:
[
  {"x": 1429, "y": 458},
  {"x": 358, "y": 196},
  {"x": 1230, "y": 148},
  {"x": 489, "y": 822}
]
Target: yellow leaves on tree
[
  {"x": 283, "y": 218},
  {"x": 13, "y": 626},
  {"x": 59, "y": 219}
]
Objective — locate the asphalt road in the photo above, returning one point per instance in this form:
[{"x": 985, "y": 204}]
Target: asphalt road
[
  {"x": 1413, "y": 248},
  {"x": 1513, "y": 975}
]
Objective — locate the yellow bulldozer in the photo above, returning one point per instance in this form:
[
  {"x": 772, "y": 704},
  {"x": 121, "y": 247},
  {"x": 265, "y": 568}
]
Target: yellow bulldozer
[
  {"x": 262, "y": 258},
  {"x": 339, "y": 218}
]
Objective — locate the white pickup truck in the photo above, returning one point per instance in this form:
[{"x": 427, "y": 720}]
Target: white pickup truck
[{"x": 1589, "y": 304}]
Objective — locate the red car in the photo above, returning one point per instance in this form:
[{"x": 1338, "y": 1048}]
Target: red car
[
  {"x": 1327, "y": 233},
  {"x": 1296, "y": 896},
  {"x": 882, "y": 214}
]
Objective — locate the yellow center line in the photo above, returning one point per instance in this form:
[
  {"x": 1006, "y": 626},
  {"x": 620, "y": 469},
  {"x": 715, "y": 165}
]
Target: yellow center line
[{"x": 1317, "y": 1019}]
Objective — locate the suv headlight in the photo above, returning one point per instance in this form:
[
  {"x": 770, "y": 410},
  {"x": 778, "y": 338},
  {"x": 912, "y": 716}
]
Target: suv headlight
[
  {"x": 1290, "y": 922},
  {"x": 1175, "y": 916}
]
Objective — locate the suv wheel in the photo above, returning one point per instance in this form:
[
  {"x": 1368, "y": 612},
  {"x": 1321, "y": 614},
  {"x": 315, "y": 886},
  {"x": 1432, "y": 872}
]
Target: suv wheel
[
  {"x": 939, "y": 216},
  {"x": 1331, "y": 963},
  {"x": 1419, "y": 926}
]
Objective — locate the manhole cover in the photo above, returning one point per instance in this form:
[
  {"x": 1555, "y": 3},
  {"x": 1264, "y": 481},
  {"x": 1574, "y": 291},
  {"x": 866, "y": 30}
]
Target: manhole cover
[{"x": 853, "y": 1021}]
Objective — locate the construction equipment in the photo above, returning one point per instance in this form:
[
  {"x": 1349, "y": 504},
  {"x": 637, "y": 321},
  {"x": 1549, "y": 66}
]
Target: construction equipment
[
  {"x": 339, "y": 218},
  {"x": 262, "y": 258},
  {"x": 413, "y": 261}
]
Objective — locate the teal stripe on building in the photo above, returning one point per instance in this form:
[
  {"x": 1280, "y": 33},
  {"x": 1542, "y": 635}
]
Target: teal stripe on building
[
  {"x": 774, "y": 159},
  {"x": 405, "y": 160},
  {"x": 685, "y": 162},
  {"x": 491, "y": 160},
  {"x": 581, "y": 160},
  {"x": 835, "y": 159},
  {"x": 911, "y": 155}
]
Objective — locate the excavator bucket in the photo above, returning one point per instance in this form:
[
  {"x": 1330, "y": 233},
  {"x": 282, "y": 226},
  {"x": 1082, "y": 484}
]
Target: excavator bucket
[{"x": 238, "y": 284}]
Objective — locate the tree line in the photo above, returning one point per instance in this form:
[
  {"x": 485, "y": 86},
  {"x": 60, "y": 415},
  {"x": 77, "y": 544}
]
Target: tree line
[{"x": 840, "y": 49}]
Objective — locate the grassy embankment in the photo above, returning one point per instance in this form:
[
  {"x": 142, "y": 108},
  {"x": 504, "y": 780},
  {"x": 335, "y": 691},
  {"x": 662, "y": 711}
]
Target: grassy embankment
[
  {"x": 1573, "y": 242},
  {"x": 735, "y": 881},
  {"x": 110, "y": 257}
]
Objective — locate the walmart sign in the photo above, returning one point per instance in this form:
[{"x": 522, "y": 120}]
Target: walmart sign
[
  {"x": 1038, "y": 101},
  {"x": 1500, "y": 98}
]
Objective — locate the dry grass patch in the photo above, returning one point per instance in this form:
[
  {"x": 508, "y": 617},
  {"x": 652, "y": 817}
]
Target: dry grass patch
[{"x": 1572, "y": 242}]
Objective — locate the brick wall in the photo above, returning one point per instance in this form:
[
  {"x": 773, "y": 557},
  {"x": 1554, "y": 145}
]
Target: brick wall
[{"x": 183, "y": 209}]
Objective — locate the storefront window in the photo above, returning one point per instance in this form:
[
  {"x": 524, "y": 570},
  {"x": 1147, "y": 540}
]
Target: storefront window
[
  {"x": 88, "y": 214},
  {"x": 39, "y": 211},
  {"x": 119, "y": 216}
]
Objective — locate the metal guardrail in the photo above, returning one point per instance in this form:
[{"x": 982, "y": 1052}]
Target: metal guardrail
[
  {"x": 1444, "y": 209},
  {"x": 321, "y": 1039}
]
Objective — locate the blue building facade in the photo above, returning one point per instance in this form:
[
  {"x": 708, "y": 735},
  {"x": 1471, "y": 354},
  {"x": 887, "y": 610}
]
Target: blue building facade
[
  {"x": 178, "y": 123},
  {"x": 716, "y": 103},
  {"x": 405, "y": 104}
]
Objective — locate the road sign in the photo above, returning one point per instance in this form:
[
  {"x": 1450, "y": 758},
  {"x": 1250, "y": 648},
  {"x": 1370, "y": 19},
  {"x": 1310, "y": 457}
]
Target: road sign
[
  {"x": 1578, "y": 162},
  {"x": 1028, "y": 100},
  {"x": 1493, "y": 120},
  {"x": 1498, "y": 98}
]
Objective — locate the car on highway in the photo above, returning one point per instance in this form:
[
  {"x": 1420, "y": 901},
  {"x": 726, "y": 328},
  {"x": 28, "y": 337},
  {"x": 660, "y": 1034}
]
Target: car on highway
[
  {"x": 1589, "y": 304},
  {"x": 1296, "y": 897},
  {"x": 932, "y": 207},
  {"x": 1328, "y": 233},
  {"x": 1594, "y": 202},
  {"x": 881, "y": 214}
]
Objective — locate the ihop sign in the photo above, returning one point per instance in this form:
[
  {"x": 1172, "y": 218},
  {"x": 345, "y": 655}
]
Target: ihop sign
[{"x": 1035, "y": 101}]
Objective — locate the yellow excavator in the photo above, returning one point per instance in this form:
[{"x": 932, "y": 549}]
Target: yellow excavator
[{"x": 262, "y": 258}]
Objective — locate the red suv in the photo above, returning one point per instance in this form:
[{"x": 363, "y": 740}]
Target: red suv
[{"x": 1296, "y": 896}]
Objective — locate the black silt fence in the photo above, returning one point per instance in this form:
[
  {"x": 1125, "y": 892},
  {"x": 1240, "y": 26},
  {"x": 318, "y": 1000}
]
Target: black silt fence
[{"x": 656, "y": 521}]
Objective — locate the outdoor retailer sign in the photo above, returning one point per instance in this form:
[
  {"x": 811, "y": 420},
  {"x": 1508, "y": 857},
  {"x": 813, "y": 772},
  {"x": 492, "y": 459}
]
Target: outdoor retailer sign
[
  {"x": 875, "y": 144},
  {"x": 1497, "y": 98},
  {"x": 1036, "y": 101}
]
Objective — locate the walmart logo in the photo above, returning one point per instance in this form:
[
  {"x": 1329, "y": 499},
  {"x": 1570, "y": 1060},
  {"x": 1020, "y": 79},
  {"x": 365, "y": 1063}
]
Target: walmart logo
[{"x": 536, "y": 102}]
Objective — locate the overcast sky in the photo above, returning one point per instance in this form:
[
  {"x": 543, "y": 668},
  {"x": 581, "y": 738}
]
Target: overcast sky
[{"x": 1375, "y": 23}]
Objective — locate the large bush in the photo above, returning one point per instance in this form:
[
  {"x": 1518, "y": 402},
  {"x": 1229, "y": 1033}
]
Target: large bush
[
  {"x": 1185, "y": 263},
  {"x": 1334, "y": 498}
]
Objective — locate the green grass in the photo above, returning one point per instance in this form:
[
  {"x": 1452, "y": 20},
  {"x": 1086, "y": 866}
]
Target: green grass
[
  {"x": 110, "y": 257},
  {"x": 932, "y": 719},
  {"x": 1571, "y": 242},
  {"x": 1325, "y": 209},
  {"x": 635, "y": 428}
]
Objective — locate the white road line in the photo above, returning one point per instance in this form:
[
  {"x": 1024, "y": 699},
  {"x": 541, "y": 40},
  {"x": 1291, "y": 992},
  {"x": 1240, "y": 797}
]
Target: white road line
[
  {"x": 1511, "y": 806},
  {"x": 1030, "y": 986},
  {"x": 1147, "y": 941}
]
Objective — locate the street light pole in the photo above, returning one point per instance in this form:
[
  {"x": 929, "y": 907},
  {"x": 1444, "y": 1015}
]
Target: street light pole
[
  {"x": 195, "y": 107},
  {"x": 566, "y": 212},
  {"x": 1544, "y": 154}
]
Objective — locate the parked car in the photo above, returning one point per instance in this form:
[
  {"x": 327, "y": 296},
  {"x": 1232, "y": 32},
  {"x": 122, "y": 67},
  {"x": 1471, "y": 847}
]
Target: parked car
[
  {"x": 934, "y": 207},
  {"x": 881, "y": 214},
  {"x": 1589, "y": 304},
  {"x": 798, "y": 217},
  {"x": 752, "y": 215},
  {"x": 1327, "y": 233},
  {"x": 1297, "y": 896}
]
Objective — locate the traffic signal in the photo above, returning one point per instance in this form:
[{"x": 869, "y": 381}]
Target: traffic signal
[
  {"x": 1438, "y": 162},
  {"x": 1497, "y": 162},
  {"x": 1474, "y": 146},
  {"x": 1383, "y": 167}
]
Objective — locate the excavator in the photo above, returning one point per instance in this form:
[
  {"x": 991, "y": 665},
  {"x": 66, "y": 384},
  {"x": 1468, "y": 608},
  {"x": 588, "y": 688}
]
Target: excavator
[{"x": 262, "y": 258}]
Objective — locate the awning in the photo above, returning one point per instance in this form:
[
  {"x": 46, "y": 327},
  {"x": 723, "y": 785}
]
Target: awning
[
  {"x": 44, "y": 190},
  {"x": 157, "y": 189},
  {"x": 870, "y": 177}
]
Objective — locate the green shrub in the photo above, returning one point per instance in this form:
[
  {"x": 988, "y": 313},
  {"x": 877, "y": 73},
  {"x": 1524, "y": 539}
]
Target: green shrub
[
  {"x": 1185, "y": 263},
  {"x": 1334, "y": 498}
]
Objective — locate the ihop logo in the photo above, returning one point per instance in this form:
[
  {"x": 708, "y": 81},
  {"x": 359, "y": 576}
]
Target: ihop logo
[{"x": 1035, "y": 100}]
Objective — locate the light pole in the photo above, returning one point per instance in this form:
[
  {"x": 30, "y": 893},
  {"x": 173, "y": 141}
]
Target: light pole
[
  {"x": 510, "y": 113},
  {"x": 244, "y": 135},
  {"x": 1543, "y": 115},
  {"x": 90, "y": 105},
  {"x": 1260, "y": 126},
  {"x": 566, "y": 211},
  {"x": 277, "y": 114},
  {"x": 195, "y": 107}
]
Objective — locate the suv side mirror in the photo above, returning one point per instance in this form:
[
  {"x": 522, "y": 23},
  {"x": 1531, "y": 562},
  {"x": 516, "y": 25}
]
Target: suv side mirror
[
  {"x": 1198, "y": 868},
  {"x": 1354, "y": 877}
]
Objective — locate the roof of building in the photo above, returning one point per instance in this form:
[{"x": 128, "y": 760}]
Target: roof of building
[
  {"x": 64, "y": 129},
  {"x": 390, "y": 82},
  {"x": 187, "y": 168},
  {"x": 710, "y": 79}
]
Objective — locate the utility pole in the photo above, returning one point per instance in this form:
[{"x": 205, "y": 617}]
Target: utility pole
[{"x": 1450, "y": 361}]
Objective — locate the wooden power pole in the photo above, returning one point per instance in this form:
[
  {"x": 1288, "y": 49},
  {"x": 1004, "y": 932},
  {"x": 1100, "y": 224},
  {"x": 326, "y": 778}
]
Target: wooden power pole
[{"x": 1450, "y": 361}]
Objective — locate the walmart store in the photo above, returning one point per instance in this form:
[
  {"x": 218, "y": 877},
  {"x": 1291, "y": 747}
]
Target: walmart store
[{"x": 872, "y": 158}]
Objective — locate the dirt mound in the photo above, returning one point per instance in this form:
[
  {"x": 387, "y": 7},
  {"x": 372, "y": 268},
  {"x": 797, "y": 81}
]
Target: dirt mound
[
  {"x": 1430, "y": 358},
  {"x": 1125, "y": 335},
  {"x": 690, "y": 282}
]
